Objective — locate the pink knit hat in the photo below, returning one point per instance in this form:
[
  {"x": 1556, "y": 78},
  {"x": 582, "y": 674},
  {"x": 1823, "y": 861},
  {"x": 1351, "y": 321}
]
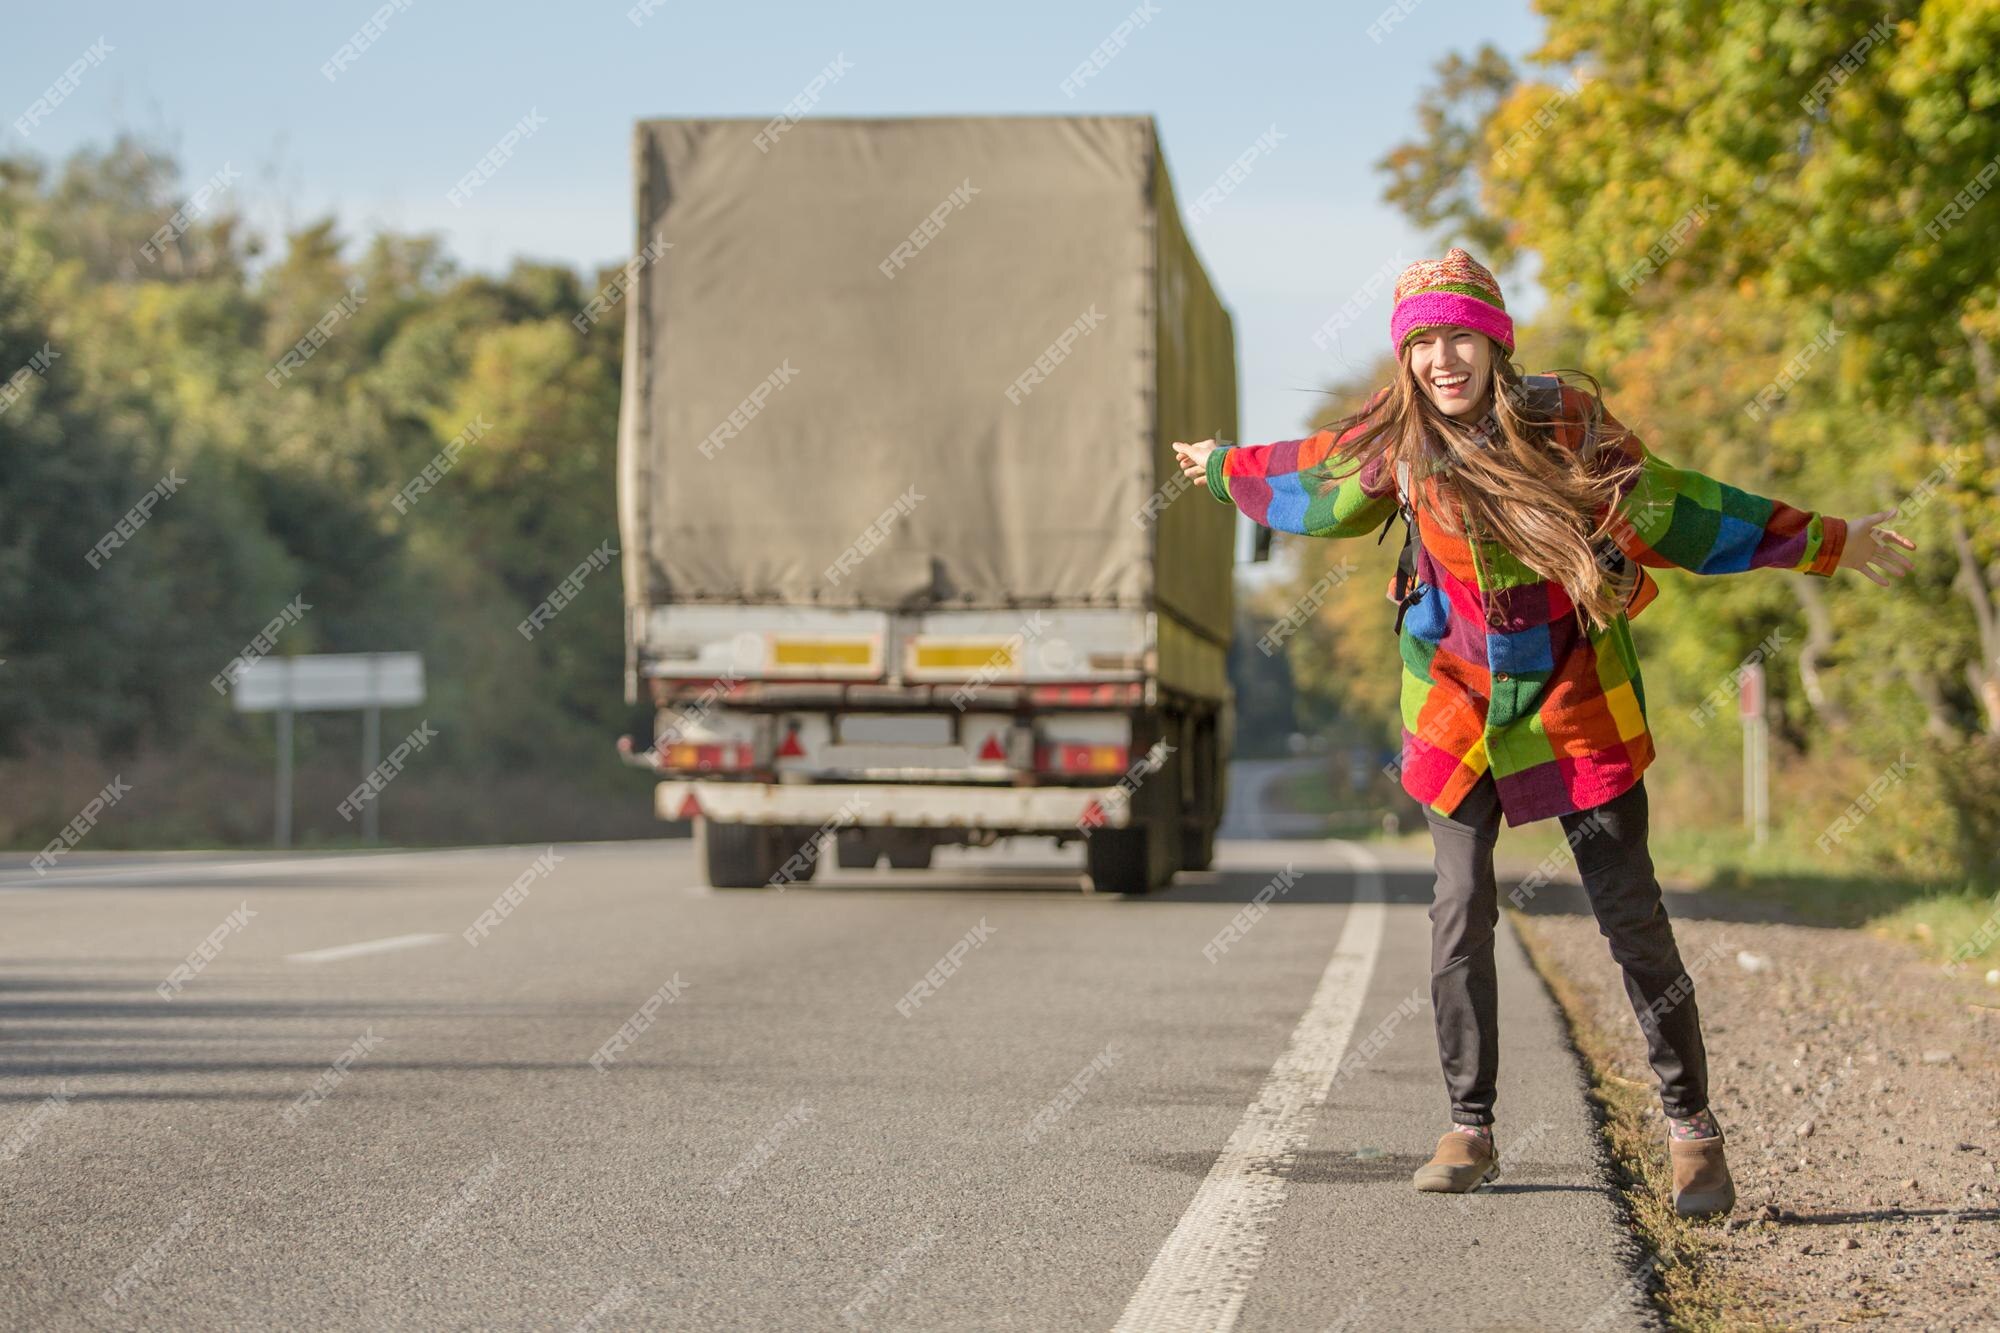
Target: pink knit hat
[{"x": 1457, "y": 289}]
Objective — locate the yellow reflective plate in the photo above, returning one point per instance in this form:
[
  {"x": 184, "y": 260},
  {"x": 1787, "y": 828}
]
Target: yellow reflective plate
[
  {"x": 822, "y": 652},
  {"x": 993, "y": 655}
]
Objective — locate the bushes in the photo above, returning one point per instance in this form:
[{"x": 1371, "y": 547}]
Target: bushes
[{"x": 160, "y": 367}]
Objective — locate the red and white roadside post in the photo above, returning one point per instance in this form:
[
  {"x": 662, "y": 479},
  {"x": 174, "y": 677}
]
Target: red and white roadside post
[{"x": 1756, "y": 753}]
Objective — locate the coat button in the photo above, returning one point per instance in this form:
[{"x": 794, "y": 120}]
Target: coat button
[{"x": 1501, "y": 675}]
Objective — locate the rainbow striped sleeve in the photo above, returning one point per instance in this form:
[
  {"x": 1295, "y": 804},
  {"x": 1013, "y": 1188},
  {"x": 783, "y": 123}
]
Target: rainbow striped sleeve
[
  {"x": 1292, "y": 486},
  {"x": 1676, "y": 516}
]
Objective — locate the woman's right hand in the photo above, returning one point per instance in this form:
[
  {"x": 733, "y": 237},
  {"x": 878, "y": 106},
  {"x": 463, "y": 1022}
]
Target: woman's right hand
[
  {"x": 1194, "y": 458},
  {"x": 1868, "y": 546}
]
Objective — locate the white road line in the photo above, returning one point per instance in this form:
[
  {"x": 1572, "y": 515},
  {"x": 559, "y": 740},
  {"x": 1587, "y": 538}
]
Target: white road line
[
  {"x": 178, "y": 871},
  {"x": 1202, "y": 1274},
  {"x": 172, "y": 871},
  {"x": 340, "y": 951}
]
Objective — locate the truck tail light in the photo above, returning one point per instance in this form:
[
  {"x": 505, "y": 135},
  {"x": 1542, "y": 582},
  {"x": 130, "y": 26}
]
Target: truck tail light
[
  {"x": 1105, "y": 694},
  {"x": 1067, "y": 757},
  {"x": 721, "y": 757}
]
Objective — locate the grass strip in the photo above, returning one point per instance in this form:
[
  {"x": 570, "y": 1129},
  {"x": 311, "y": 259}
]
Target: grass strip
[{"x": 1689, "y": 1291}]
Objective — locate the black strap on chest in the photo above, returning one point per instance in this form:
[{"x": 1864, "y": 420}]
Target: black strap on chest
[
  {"x": 1407, "y": 590},
  {"x": 1544, "y": 399}
]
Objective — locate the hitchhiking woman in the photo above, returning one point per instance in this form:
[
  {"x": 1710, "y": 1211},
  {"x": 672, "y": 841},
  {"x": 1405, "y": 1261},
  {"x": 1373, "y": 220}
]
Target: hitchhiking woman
[{"x": 1535, "y": 515}]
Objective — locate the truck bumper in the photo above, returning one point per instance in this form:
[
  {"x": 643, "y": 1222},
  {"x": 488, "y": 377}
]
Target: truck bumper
[{"x": 900, "y": 805}]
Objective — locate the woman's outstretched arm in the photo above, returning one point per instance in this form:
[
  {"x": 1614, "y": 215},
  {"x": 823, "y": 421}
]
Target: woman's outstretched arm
[
  {"x": 1676, "y": 516},
  {"x": 1293, "y": 486}
]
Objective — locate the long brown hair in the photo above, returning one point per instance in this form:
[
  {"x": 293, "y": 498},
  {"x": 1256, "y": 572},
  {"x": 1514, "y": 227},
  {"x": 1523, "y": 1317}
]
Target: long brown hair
[{"x": 1518, "y": 488}]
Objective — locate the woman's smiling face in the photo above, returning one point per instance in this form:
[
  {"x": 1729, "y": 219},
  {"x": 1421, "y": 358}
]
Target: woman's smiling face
[{"x": 1455, "y": 366}]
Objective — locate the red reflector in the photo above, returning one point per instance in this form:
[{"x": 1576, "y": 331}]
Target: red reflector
[
  {"x": 1099, "y": 696},
  {"x": 791, "y": 749},
  {"x": 689, "y": 807},
  {"x": 993, "y": 749}
]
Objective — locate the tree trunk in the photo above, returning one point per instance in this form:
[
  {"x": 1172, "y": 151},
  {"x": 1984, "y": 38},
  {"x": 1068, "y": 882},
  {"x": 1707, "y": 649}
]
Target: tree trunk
[
  {"x": 1973, "y": 581},
  {"x": 1983, "y": 673},
  {"x": 1813, "y": 654},
  {"x": 1937, "y": 714}
]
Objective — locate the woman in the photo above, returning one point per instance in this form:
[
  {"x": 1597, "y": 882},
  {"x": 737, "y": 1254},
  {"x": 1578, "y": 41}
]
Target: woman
[{"x": 1521, "y": 693}]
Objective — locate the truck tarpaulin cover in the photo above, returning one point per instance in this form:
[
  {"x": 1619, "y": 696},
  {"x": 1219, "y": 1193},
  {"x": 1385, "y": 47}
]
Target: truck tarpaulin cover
[{"x": 919, "y": 364}]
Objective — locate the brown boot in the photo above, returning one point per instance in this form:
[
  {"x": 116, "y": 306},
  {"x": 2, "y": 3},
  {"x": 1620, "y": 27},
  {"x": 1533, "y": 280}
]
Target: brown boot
[
  {"x": 1461, "y": 1164},
  {"x": 1702, "y": 1186}
]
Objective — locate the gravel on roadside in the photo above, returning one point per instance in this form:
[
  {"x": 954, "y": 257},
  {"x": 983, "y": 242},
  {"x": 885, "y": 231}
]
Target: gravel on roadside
[{"x": 1859, "y": 1087}]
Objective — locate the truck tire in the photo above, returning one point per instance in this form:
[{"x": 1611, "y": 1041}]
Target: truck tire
[
  {"x": 1205, "y": 812},
  {"x": 1197, "y": 846},
  {"x": 1135, "y": 859},
  {"x": 855, "y": 853},
  {"x": 911, "y": 858},
  {"x": 796, "y": 854},
  {"x": 736, "y": 856}
]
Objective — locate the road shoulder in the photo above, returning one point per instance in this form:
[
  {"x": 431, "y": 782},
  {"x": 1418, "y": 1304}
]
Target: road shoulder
[{"x": 1854, "y": 1080}]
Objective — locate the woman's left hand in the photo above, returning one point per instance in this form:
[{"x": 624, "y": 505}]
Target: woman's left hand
[
  {"x": 1194, "y": 458},
  {"x": 1869, "y": 544}
]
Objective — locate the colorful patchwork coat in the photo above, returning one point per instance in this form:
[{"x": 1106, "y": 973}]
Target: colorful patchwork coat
[{"x": 1499, "y": 672}]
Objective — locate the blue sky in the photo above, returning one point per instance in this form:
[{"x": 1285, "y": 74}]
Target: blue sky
[{"x": 381, "y": 144}]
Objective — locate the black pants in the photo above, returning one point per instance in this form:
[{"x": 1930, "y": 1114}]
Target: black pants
[{"x": 1617, "y": 871}]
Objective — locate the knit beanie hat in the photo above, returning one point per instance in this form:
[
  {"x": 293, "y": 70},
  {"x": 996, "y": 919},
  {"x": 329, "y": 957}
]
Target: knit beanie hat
[{"x": 1457, "y": 289}]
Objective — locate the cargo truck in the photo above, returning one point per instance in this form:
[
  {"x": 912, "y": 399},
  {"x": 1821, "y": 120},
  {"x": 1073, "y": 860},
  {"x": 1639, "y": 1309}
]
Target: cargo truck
[{"x": 908, "y": 560}]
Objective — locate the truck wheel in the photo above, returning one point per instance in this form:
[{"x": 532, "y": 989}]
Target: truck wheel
[
  {"x": 736, "y": 856},
  {"x": 911, "y": 858},
  {"x": 856, "y": 853},
  {"x": 1202, "y": 815},
  {"x": 1123, "y": 860},
  {"x": 796, "y": 854},
  {"x": 1197, "y": 846}
]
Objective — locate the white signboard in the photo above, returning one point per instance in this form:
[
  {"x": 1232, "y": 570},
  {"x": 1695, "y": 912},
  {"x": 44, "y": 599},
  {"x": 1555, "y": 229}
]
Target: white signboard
[{"x": 330, "y": 680}]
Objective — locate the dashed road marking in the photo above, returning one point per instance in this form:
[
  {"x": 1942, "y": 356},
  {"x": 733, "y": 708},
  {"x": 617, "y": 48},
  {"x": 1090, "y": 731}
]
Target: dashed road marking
[
  {"x": 340, "y": 951},
  {"x": 1202, "y": 1274}
]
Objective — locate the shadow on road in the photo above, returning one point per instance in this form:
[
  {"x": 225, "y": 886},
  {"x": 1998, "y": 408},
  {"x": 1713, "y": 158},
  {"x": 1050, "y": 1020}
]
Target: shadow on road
[
  {"x": 1333, "y": 1166},
  {"x": 1318, "y": 884},
  {"x": 1566, "y": 898},
  {"x": 123, "y": 1030}
]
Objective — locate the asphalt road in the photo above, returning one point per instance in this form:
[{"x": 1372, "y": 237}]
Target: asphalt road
[
  {"x": 1250, "y": 814},
  {"x": 1106, "y": 1113}
]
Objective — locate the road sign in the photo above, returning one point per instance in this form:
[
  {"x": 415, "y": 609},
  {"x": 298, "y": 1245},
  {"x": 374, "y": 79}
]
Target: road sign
[
  {"x": 370, "y": 681},
  {"x": 330, "y": 680}
]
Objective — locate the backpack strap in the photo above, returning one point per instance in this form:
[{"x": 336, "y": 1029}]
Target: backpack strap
[
  {"x": 1543, "y": 394},
  {"x": 1403, "y": 584}
]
